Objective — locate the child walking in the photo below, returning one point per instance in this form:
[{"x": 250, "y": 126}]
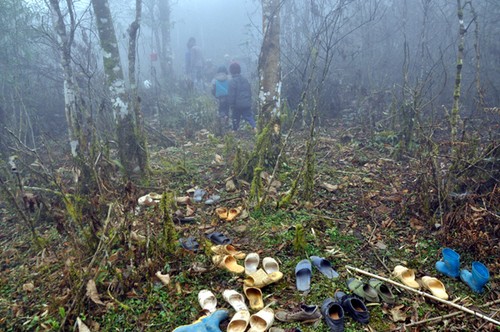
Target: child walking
[
  {"x": 240, "y": 97},
  {"x": 220, "y": 89}
]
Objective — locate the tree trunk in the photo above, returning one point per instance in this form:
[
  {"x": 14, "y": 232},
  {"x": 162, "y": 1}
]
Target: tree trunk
[
  {"x": 455, "y": 111},
  {"x": 142, "y": 150},
  {"x": 165, "y": 43},
  {"x": 270, "y": 84},
  {"x": 127, "y": 140}
]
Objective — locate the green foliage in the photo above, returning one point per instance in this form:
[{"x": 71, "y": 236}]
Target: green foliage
[
  {"x": 256, "y": 186},
  {"x": 299, "y": 240},
  {"x": 167, "y": 240}
]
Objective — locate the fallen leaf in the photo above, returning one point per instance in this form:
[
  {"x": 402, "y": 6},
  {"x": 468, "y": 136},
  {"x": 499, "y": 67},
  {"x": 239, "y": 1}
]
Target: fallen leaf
[
  {"x": 367, "y": 180},
  {"x": 164, "y": 278},
  {"x": 92, "y": 292},
  {"x": 219, "y": 160},
  {"x": 183, "y": 200},
  {"x": 397, "y": 314},
  {"x": 381, "y": 245},
  {"x": 329, "y": 187},
  {"x": 81, "y": 326},
  {"x": 230, "y": 186},
  {"x": 28, "y": 287}
]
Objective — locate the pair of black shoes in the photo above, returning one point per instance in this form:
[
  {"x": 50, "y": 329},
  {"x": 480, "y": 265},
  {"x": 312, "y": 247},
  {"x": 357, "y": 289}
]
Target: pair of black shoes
[{"x": 334, "y": 310}]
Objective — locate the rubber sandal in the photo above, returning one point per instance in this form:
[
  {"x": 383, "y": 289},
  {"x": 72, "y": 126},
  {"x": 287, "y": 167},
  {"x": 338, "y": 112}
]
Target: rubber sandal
[
  {"x": 383, "y": 291},
  {"x": 235, "y": 299},
  {"x": 228, "y": 262},
  {"x": 270, "y": 265},
  {"x": 207, "y": 300},
  {"x": 239, "y": 322},
  {"x": 251, "y": 263},
  {"x": 435, "y": 286},
  {"x": 218, "y": 238},
  {"x": 261, "y": 279},
  {"x": 324, "y": 267},
  {"x": 254, "y": 296},
  {"x": 221, "y": 212},
  {"x": 363, "y": 290},
  {"x": 406, "y": 276},
  {"x": 262, "y": 320},
  {"x": 233, "y": 213},
  {"x": 189, "y": 244},
  {"x": 303, "y": 274},
  {"x": 228, "y": 249}
]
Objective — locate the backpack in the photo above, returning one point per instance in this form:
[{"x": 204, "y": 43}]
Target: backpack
[{"x": 221, "y": 88}]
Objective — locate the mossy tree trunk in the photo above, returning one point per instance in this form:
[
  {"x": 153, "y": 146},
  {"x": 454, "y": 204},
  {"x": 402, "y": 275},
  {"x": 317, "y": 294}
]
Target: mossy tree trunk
[
  {"x": 73, "y": 109},
  {"x": 135, "y": 106},
  {"x": 128, "y": 143},
  {"x": 165, "y": 40},
  {"x": 270, "y": 82},
  {"x": 455, "y": 111}
]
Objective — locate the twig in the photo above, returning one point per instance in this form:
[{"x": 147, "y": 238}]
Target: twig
[
  {"x": 430, "y": 320},
  {"x": 461, "y": 307}
]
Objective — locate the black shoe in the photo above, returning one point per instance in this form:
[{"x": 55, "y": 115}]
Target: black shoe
[
  {"x": 334, "y": 315},
  {"x": 353, "y": 306}
]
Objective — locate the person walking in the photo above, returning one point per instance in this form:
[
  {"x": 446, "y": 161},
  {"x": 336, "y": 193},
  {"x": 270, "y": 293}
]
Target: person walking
[
  {"x": 240, "y": 97},
  {"x": 220, "y": 90}
]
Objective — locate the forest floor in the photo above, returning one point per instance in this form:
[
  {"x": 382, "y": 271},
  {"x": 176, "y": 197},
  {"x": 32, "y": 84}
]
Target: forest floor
[{"x": 365, "y": 213}]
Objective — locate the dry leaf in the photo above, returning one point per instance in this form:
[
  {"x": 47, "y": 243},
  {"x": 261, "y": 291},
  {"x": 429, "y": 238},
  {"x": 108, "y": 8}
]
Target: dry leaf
[
  {"x": 81, "y": 326},
  {"x": 183, "y": 200},
  {"x": 92, "y": 292},
  {"x": 381, "y": 245},
  {"x": 136, "y": 237},
  {"x": 219, "y": 160},
  {"x": 230, "y": 186},
  {"x": 397, "y": 314},
  {"x": 164, "y": 278},
  {"x": 329, "y": 187},
  {"x": 28, "y": 287},
  {"x": 189, "y": 211}
]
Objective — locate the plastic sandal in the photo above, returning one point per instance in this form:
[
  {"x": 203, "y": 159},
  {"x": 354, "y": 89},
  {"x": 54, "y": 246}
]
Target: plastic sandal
[
  {"x": 435, "y": 286},
  {"x": 270, "y": 265},
  {"x": 251, "y": 263},
  {"x": 228, "y": 262},
  {"x": 218, "y": 238},
  {"x": 228, "y": 249},
  {"x": 324, "y": 267},
  {"x": 207, "y": 300},
  {"x": 254, "y": 296},
  {"x": 235, "y": 299},
  {"x": 303, "y": 274}
]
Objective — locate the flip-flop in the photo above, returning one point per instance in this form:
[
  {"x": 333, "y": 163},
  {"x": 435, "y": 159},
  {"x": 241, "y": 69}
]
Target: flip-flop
[
  {"x": 251, "y": 263},
  {"x": 218, "y": 238},
  {"x": 270, "y": 265},
  {"x": 254, "y": 296},
  {"x": 435, "y": 286},
  {"x": 235, "y": 299},
  {"x": 207, "y": 300},
  {"x": 262, "y": 320},
  {"x": 261, "y": 279},
  {"x": 363, "y": 290},
  {"x": 406, "y": 276},
  {"x": 189, "y": 244},
  {"x": 239, "y": 322},
  {"x": 324, "y": 267},
  {"x": 221, "y": 212},
  {"x": 383, "y": 291},
  {"x": 228, "y": 262},
  {"x": 303, "y": 274},
  {"x": 233, "y": 213},
  {"x": 228, "y": 249}
]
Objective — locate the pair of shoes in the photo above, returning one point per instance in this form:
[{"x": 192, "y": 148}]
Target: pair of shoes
[
  {"x": 252, "y": 260},
  {"x": 303, "y": 313},
  {"x": 228, "y": 214},
  {"x": 260, "y": 321},
  {"x": 371, "y": 292},
  {"x": 226, "y": 258},
  {"x": 206, "y": 323},
  {"x": 261, "y": 278},
  {"x": 303, "y": 271},
  {"x": 449, "y": 265},
  {"x": 334, "y": 310},
  {"x": 407, "y": 277}
]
